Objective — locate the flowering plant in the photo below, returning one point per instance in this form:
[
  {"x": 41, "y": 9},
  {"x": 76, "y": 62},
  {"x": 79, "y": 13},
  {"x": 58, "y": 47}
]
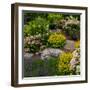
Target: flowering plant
[
  {"x": 57, "y": 40},
  {"x": 64, "y": 63}
]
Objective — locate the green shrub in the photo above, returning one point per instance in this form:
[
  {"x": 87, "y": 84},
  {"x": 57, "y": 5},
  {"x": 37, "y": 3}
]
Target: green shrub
[
  {"x": 56, "y": 40},
  {"x": 27, "y": 69},
  {"x": 33, "y": 15},
  {"x": 34, "y": 68},
  {"x": 34, "y": 48},
  {"x": 41, "y": 67},
  {"x": 64, "y": 63},
  {"x": 51, "y": 66},
  {"x": 35, "y": 27},
  {"x": 53, "y": 19},
  {"x": 44, "y": 38},
  {"x": 37, "y": 68}
]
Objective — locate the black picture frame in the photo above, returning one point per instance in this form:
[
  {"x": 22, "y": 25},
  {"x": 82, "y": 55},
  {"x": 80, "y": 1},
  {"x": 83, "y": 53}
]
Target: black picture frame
[{"x": 15, "y": 48}]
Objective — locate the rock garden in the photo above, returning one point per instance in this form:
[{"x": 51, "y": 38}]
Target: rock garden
[{"x": 51, "y": 44}]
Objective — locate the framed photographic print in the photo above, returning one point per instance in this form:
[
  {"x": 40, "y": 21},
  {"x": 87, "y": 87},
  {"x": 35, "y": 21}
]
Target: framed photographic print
[{"x": 48, "y": 44}]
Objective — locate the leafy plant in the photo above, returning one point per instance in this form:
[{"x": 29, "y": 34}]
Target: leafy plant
[
  {"x": 52, "y": 65},
  {"x": 54, "y": 18},
  {"x": 40, "y": 67},
  {"x": 56, "y": 40},
  {"x": 64, "y": 63},
  {"x": 35, "y": 27},
  {"x": 33, "y": 15},
  {"x": 27, "y": 69},
  {"x": 37, "y": 68}
]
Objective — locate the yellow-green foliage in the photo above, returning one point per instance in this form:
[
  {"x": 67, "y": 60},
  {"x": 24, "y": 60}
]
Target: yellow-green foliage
[
  {"x": 77, "y": 44},
  {"x": 57, "y": 40},
  {"x": 64, "y": 63}
]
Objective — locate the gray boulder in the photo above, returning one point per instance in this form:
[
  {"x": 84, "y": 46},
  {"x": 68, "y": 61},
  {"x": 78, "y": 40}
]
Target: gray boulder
[
  {"x": 28, "y": 56},
  {"x": 46, "y": 53},
  {"x": 70, "y": 45}
]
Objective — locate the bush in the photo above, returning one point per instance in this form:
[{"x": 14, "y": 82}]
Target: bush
[
  {"x": 56, "y": 40},
  {"x": 51, "y": 66},
  {"x": 41, "y": 68},
  {"x": 35, "y": 27},
  {"x": 44, "y": 38},
  {"x": 33, "y": 43},
  {"x": 37, "y": 68},
  {"x": 53, "y": 19},
  {"x": 64, "y": 63},
  {"x": 34, "y": 68},
  {"x": 27, "y": 69},
  {"x": 72, "y": 29},
  {"x": 33, "y": 15}
]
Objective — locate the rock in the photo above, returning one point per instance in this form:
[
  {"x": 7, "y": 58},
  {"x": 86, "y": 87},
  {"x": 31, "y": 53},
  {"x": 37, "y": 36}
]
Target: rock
[
  {"x": 26, "y": 50},
  {"x": 50, "y": 52},
  {"x": 76, "y": 53},
  {"x": 27, "y": 56},
  {"x": 70, "y": 45},
  {"x": 55, "y": 52},
  {"x": 75, "y": 59}
]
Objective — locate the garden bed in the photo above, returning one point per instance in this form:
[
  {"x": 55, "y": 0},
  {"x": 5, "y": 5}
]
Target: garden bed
[{"x": 51, "y": 45}]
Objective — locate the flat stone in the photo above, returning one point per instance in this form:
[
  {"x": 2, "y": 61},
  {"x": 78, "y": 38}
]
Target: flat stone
[
  {"x": 70, "y": 45},
  {"x": 27, "y": 56},
  {"x": 50, "y": 52}
]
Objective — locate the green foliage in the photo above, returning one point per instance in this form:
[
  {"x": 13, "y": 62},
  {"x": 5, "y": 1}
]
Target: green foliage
[
  {"x": 34, "y": 68},
  {"x": 37, "y": 68},
  {"x": 52, "y": 65},
  {"x": 64, "y": 63},
  {"x": 34, "y": 48},
  {"x": 57, "y": 40},
  {"x": 53, "y": 19},
  {"x": 68, "y": 16},
  {"x": 48, "y": 67},
  {"x": 41, "y": 67},
  {"x": 45, "y": 38},
  {"x": 27, "y": 69},
  {"x": 33, "y": 15},
  {"x": 35, "y": 27}
]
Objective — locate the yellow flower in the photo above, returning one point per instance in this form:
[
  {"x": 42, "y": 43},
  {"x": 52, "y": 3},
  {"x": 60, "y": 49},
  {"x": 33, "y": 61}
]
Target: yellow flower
[
  {"x": 77, "y": 44},
  {"x": 57, "y": 40}
]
